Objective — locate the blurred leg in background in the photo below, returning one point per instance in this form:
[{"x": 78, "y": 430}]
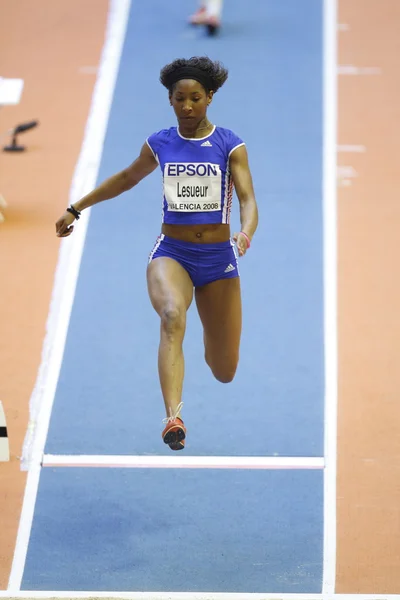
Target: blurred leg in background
[{"x": 209, "y": 14}]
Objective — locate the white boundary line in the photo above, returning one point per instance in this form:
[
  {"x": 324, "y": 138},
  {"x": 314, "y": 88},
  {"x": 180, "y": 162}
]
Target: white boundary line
[
  {"x": 84, "y": 180},
  {"x": 330, "y": 291},
  {"x": 189, "y": 596},
  {"x": 188, "y": 462}
]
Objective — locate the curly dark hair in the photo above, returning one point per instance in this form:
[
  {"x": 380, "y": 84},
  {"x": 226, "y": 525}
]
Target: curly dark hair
[{"x": 214, "y": 71}]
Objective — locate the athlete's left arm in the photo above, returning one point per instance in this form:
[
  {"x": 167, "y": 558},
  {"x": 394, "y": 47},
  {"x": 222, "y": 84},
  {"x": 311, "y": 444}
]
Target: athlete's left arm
[{"x": 243, "y": 182}]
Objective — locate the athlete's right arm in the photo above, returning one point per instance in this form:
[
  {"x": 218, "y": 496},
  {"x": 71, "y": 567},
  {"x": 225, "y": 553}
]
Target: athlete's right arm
[
  {"x": 122, "y": 181},
  {"x": 111, "y": 187}
]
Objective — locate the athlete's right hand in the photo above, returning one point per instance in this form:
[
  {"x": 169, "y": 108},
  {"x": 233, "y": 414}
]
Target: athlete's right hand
[{"x": 64, "y": 225}]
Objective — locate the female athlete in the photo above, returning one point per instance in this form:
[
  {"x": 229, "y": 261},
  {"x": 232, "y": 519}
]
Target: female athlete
[{"x": 194, "y": 254}]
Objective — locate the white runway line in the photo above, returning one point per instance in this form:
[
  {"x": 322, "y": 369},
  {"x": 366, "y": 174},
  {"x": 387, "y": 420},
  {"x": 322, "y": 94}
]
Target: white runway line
[
  {"x": 330, "y": 290},
  {"x": 188, "y": 596},
  {"x": 185, "y": 462}
]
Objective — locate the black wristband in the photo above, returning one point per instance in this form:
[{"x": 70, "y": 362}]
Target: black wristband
[{"x": 74, "y": 212}]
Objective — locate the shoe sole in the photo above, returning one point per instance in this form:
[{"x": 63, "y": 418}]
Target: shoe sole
[{"x": 174, "y": 439}]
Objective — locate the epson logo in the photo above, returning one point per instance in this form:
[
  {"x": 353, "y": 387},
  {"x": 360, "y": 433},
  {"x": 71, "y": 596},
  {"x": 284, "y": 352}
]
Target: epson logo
[{"x": 191, "y": 169}]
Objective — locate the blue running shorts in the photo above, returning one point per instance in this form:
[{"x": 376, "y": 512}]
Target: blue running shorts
[{"x": 204, "y": 262}]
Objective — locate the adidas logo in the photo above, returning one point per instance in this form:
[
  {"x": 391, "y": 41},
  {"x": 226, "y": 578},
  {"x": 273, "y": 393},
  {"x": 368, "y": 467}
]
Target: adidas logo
[
  {"x": 207, "y": 143},
  {"x": 229, "y": 268}
]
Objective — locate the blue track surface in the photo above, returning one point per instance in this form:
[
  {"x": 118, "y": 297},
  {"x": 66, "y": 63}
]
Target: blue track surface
[
  {"x": 108, "y": 385},
  {"x": 215, "y": 531}
]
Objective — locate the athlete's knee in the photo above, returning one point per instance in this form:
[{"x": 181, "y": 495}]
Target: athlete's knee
[
  {"x": 224, "y": 376},
  {"x": 225, "y": 371},
  {"x": 173, "y": 318}
]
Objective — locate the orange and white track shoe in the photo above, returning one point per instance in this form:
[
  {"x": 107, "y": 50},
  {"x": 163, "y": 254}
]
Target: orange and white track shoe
[{"x": 174, "y": 433}]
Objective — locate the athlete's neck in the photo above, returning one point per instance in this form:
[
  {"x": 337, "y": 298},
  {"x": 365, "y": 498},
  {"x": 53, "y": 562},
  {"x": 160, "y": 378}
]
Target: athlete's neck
[{"x": 203, "y": 129}]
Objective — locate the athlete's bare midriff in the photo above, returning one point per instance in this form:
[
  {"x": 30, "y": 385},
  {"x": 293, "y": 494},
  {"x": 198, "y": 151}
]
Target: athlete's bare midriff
[{"x": 208, "y": 233}]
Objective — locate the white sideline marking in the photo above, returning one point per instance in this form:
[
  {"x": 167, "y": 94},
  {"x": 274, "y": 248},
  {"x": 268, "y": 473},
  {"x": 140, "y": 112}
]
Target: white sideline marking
[
  {"x": 353, "y": 70},
  {"x": 88, "y": 70},
  {"x": 84, "y": 180},
  {"x": 189, "y": 596},
  {"x": 330, "y": 290},
  {"x": 356, "y": 148},
  {"x": 347, "y": 171},
  {"x": 185, "y": 462},
  {"x": 345, "y": 175}
]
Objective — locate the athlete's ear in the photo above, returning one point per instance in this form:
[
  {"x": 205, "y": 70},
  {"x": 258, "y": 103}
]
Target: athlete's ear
[{"x": 210, "y": 97}]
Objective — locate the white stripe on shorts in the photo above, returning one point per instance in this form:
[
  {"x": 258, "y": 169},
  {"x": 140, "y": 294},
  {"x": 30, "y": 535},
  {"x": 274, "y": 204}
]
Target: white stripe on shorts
[
  {"x": 156, "y": 246},
  {"x": 235, "y": 252}
]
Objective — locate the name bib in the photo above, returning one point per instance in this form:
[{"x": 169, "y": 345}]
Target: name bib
[{"x": 192, "y": 187}]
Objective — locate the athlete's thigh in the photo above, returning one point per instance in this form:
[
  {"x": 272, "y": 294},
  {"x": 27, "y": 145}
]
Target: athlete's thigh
[
  {"x": 220, "y": 309},
  {"x": 169, "y": 284}
]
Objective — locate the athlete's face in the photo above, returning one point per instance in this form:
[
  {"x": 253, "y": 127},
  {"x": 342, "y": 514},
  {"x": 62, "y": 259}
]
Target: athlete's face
[{"x": 190, "y": 101}]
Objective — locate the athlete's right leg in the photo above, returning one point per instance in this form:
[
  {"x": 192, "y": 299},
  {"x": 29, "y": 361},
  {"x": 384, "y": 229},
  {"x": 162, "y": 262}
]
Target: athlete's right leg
[{"x": 171, "y": 293}]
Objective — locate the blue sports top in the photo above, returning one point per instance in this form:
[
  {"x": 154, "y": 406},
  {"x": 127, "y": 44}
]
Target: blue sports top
[{"x": 197, "y": 181}]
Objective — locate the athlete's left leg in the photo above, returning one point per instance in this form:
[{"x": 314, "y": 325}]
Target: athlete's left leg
[{"x": 220, "y": 309}]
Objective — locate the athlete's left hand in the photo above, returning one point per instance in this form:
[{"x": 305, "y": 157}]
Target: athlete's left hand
[{"x": 241, "y": 243}]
